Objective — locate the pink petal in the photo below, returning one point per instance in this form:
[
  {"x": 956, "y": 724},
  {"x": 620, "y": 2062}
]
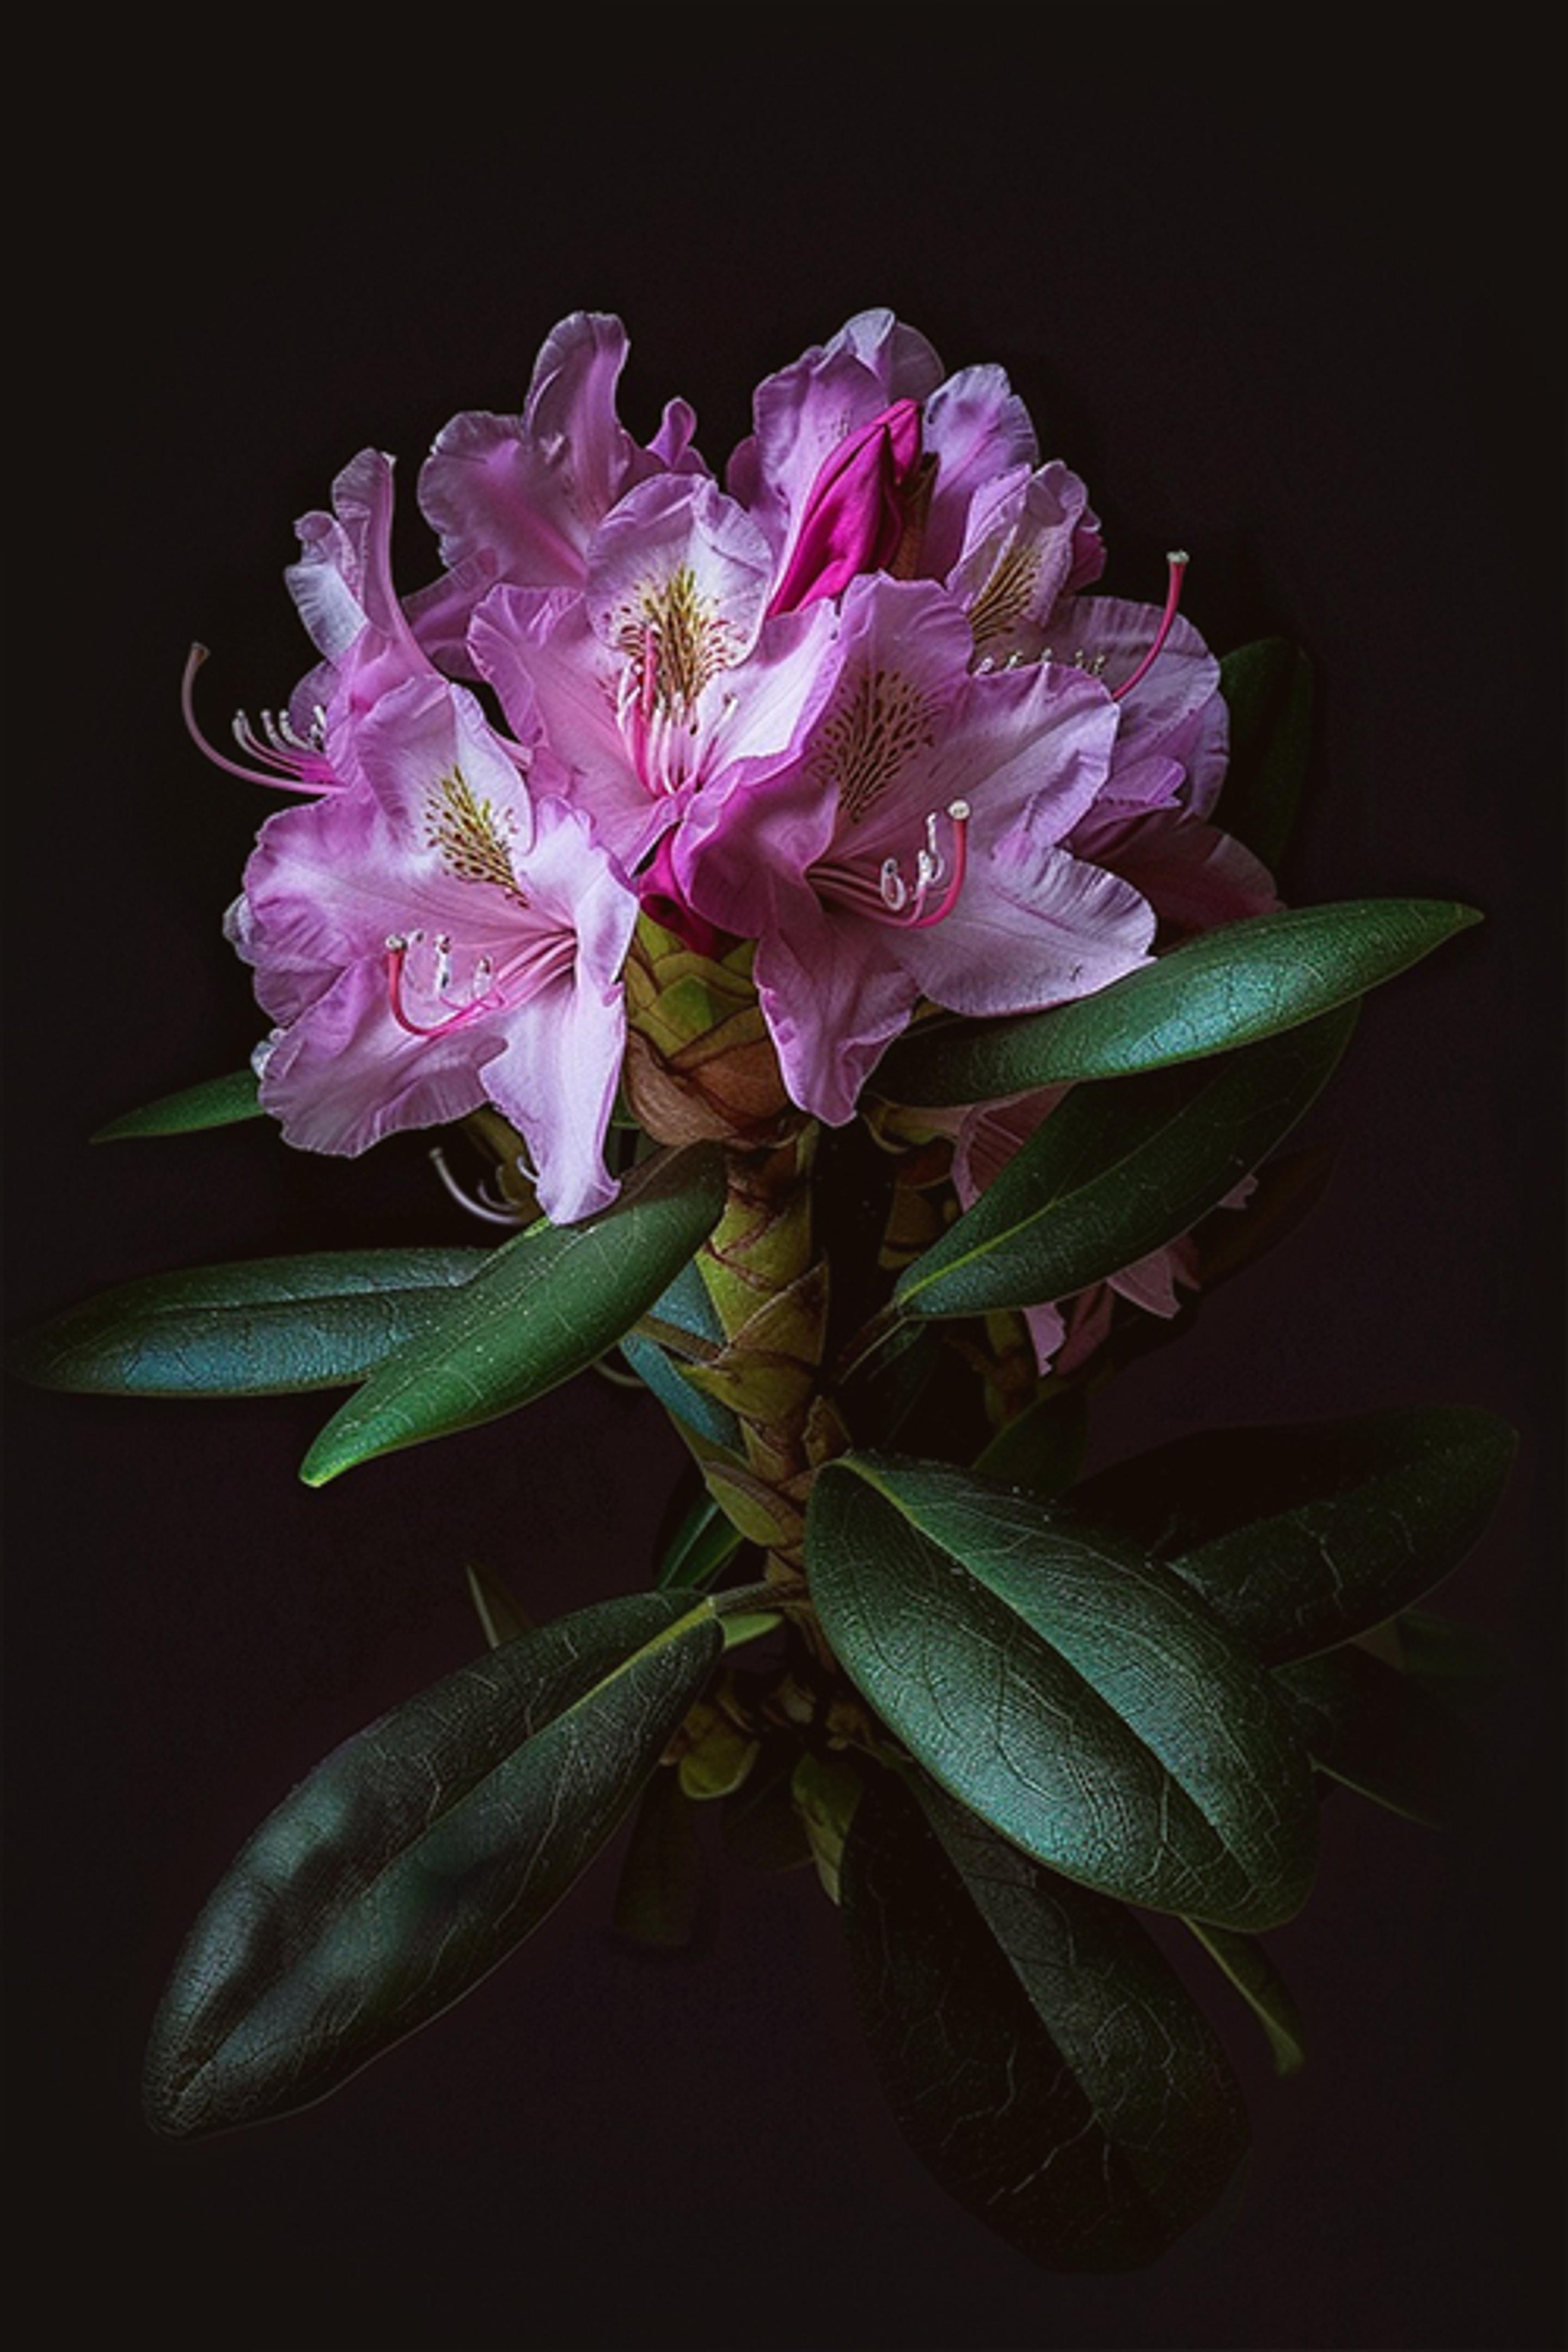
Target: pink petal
[
  {"x": 1194, "y": 875},
  {"x": 976, "y": 428},
  {"x": 833, "y": 1000}
]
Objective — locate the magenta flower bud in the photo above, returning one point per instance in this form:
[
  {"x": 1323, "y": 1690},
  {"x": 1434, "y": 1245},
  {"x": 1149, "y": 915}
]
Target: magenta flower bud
[{"x": 854, "y": 515}]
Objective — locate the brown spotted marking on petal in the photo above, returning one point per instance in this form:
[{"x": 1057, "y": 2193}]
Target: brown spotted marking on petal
[
  {"x": 881, "y": 725},
  {"x": 1005, "y": 598}
]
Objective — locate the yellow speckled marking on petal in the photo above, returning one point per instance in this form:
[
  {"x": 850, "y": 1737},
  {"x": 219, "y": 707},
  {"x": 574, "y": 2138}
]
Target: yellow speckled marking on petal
[
  {"x": 468, "y": 833},
  {"x": 681, "y": 633}
]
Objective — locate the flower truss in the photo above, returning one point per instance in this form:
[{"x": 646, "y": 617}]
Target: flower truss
[{"x": 846, "y": 942}]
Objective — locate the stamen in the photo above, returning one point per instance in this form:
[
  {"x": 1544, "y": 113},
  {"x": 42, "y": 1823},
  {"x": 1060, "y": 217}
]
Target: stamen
[
  {"x": 478, "y": 1204},
  {"x": 483, "y": 999},
  {"x": 908, "y": 906},
  {"x": 1178, "y": 560},
  {"x": 289, "y": 761}
]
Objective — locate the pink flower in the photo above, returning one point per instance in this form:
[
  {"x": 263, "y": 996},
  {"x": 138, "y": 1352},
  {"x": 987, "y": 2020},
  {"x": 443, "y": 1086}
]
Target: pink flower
[
  {"x": 517, "y": 499},
  {"x": 661, "y": 677},
  {"x": 433, "y": 941},
  {"x": 865, "y": 456},
  {"x": 911, "y": 845},
  {"x": 369, "y": 641}
]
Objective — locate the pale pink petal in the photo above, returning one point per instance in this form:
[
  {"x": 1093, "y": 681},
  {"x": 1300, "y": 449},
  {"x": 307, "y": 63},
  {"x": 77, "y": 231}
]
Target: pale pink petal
[
  {"x": 343, "y": 1075},
  {"x": 531, "y": 490},
  {"x": 992, "y": 1132},
  {"x": 1152, "y": 1283},
  {"x": 671, "y": 445},
  {"x": 1022, "y": 551},
  {"x": 833, "y": 1000},
  {"x": 1048, "y": 1329},
  {"x": 1175, "y": 713},
  {"x": 678, "y": 535},
  {"x": 1031, "y": 928},
  {"x": 976, "y": 428},
  {"x": 1194, "y": 875},
  {"x": 535, "y": 648},
  {"x": 556, "y": 1080}
]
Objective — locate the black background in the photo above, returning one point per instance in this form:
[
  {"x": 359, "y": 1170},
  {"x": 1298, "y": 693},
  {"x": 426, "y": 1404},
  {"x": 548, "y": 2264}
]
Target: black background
[{"x": 1285, "y": 307}]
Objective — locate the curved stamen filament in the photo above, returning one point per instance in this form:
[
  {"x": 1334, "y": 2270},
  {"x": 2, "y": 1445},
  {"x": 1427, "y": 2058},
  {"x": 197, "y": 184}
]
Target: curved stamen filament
[
  {"x": 892, "y": 899},
  {"x": 485, "y": 998},
  {"x": 290, "y": 756},
  {"x": 1178, "y": 561},
  {"x": 540, "y": 960}
]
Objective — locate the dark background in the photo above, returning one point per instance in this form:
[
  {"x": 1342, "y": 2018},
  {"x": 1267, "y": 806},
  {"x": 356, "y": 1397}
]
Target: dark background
[{"x": 1283, "y": 305}]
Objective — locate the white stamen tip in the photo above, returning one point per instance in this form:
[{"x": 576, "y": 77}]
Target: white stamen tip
[
  {"x": 395, "y": 942},
  {"x": 959, "y": 812},
  {"x": 1178, "y": 555}
]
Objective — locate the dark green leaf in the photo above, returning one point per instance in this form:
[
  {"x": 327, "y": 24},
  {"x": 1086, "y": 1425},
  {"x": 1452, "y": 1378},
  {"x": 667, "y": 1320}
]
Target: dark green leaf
[
  {"x": 414, "y": 1859},
  {"x": 1369, "y": 1725},
  {"x": 216, "y": 1102},
  {"x": 544, "y": 1308},
  {"x": 1300, "y": 1539},
  {"x": 659, "y": 1896},
  {"x": 1461, "y": 1662},
  {"x": 1041, "y": 1452},
  {"x": 686, "y": 1406},
  {"x": 263, "y": 1326},
  {"x": 501, "y": 1616},
  {"x": 1243, "y": 1960},
  {"x": 1040, "y": 2056},
  {"x": 700, "y": 1548},
  {"x": 1117, "y": 1172},
  {"x": 1269, "y": 688},
  {"x": 1229, "y": 988},
  {"x": 1067, "y": 1689}
]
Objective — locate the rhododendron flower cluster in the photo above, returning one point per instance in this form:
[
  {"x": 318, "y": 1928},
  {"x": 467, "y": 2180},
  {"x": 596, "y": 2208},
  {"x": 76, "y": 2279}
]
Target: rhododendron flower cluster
[
  {"x": 850, "y": 703},
  {"x": 632, "y": 844}
]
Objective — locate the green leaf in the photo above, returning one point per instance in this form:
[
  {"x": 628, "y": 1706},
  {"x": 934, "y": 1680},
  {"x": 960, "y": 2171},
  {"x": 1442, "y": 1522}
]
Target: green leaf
[
  {"x": 216, "y": 1102},
  {"x": 1243, "y": 1960},
  {"x": 700, "y": 1548},
  {"x": 544, "y": 1308},
  {"x": 1370, "y": 1727},
  {"x": 1229, "y": 988},
  {"x": 686, "y": 1406},
  {"x": 1040, "y": 2056},
  {"x": 1301, "y": 1539},
  {"x": 1117, "y": 1172},
  {"x": 1067, "y": 1689},
  {"x": 659, "y": 1896},
  {"x": 1041, "y": 1452},
  {"x": 1269, "y": 688},
  {"x": 411, "y": 1861},
  {"x": 1461, "y": 1662},
  {"x": 260, "y": 1327},
  {"x": 500, "y": 1615}
]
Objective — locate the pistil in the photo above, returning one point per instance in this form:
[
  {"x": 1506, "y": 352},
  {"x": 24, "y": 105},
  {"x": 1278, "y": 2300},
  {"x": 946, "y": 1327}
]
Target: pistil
[
  {"x": 892, "y": 899},
  {"x": 1178, "y": 561}
]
